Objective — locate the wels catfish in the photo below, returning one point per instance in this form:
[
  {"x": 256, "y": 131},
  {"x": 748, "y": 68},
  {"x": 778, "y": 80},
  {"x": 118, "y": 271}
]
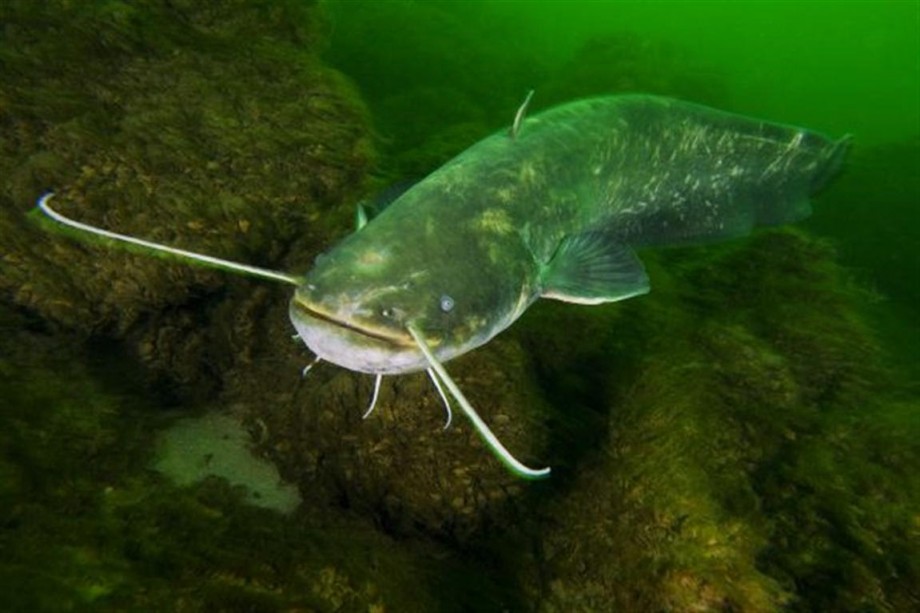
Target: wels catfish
[{"x": 552, "y": 208}]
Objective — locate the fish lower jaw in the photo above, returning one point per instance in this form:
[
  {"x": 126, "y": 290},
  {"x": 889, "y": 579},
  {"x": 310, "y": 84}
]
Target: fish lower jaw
[
  {"x": 306, "y": 311},
  {"x": 354, "y": 349}
]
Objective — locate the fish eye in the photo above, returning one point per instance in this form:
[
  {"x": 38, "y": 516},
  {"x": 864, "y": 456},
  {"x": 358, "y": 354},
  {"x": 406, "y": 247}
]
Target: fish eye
[{"x": 447, "y": 303}]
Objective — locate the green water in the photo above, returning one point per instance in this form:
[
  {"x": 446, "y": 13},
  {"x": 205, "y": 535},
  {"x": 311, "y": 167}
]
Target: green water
[
  {"x": 743, "y": 438},
  {"x": 837, "y": 67}
]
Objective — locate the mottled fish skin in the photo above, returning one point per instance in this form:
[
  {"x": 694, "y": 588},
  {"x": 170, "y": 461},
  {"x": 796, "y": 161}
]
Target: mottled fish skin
[{"x": 645, "y": 170}]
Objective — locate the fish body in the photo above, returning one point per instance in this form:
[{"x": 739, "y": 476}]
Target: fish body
[
  {"x": 553, "y": 211},
  {"x": 552, "y": 208}
]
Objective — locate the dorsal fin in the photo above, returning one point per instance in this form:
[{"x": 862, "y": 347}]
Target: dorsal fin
[{"x": 519, "y": 116}]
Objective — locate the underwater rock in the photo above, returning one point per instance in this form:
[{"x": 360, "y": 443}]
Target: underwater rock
[
  {"x": 721, "y": 483},
  {"x": 214, "y": 129},
  {"x": 85, "y": 524},
  {"x": 644, "y": 526}
]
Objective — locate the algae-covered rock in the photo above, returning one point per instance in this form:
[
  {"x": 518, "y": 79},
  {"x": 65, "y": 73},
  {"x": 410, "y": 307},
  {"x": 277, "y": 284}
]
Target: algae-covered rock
[
  {"x": 734, "y": 456},
  {"x": 85, "y": 525},
  {"x": 213, "y": 129}
]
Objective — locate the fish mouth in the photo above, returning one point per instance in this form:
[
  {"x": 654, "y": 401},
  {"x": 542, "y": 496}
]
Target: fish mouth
[{"x": 390, "y": 338}]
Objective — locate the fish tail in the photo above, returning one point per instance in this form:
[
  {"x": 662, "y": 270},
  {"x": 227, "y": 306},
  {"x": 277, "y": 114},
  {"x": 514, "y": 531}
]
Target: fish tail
[
  {"x": 833, "y": 163},
  {"x": 795, "y": 205}
]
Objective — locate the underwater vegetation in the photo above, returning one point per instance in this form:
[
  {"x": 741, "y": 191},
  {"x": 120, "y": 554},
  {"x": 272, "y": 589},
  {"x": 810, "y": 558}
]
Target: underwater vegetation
[
  {"x": 749, "y": 459},
  {"x": 163, "y": 116},
  {"x": 84, "y": 525},
  {"x": 739, "y": 439}
]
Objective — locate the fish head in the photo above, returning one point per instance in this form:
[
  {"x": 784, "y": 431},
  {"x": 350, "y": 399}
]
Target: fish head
[{"x": 355, "y": 305}]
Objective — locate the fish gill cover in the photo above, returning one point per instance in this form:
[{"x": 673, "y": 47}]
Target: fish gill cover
[{"x": 744, "y": 437}]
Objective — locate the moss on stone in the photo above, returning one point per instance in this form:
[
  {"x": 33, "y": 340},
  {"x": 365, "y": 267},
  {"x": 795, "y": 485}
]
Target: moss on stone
[
  {"x": 751, "y": 462},
  {"x": 215, "y": 129}
]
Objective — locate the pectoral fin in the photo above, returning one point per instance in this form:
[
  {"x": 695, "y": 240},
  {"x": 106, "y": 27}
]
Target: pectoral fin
[
  {"x": 366, "y": 210},
  {"x": 591, "y": 268}
]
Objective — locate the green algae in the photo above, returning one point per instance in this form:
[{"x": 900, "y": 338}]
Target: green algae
[
  {"x": 83, "y": 523},
  {"x": 216, "y": 129},
  {"x": 750, "y": 460},
  {"x": 212, "y": 128}
]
